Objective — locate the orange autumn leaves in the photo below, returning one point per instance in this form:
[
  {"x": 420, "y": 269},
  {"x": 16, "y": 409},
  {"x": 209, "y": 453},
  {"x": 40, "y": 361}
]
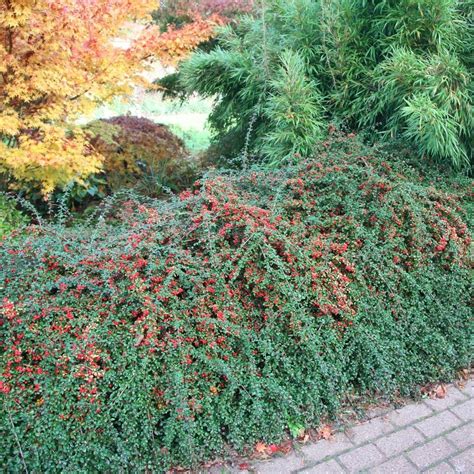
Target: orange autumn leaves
[
  {"x": 176, "y": 43},
  {"x": 199, "y": 19},
  {"x": 264, "y": 451},
  {"x": 58, "y": 61}
]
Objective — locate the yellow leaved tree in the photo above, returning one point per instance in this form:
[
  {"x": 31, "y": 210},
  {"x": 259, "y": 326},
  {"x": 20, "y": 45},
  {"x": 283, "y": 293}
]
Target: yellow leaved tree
[
  {"x": 57, "y": 62},
  {"x": 59, "y": 59}
]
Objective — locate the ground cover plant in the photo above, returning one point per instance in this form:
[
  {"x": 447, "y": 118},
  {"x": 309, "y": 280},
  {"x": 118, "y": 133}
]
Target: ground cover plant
[{"x": 169, "y": 332}]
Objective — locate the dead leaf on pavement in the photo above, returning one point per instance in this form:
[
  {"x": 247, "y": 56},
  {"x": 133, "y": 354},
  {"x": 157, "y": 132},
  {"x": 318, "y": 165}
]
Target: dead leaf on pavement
[
  {"x": 440, "y": 391},
  {"x": 285, "y": 447},
  {"x": 435, "y": 391},
  {"x": 325, "y": 432},
  {"x": 261, "y": 448},
  {"x": 304, "y": 439}
]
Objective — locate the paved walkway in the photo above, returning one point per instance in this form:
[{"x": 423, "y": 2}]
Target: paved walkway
[{"x": 433, "y": 436}]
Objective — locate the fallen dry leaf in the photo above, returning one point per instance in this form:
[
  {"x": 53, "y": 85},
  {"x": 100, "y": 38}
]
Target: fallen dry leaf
[
  {"x": 325, "y": 432},
  {"x": 261, "y": 448},
  {"x": 464, "y": 376},
  {"x": 273, "y": 448},
  {"x": 435, "y": 391},
  {"x": 285, "y": 447},
  {"x": 440, "y": 391},
  {"x": 304, "y": 439}
]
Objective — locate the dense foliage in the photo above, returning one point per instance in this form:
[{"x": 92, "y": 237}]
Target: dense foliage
[
  {"x": 181, "y": 12},
  {"x": 401, "y": 69},
  {"x": 186, "y": 25},
  {"x": 176, "y": 42},
  {"x": 10, "y": 217},
  {"x": 173, "y": 330},
  {"x": 138, "y": 152}
]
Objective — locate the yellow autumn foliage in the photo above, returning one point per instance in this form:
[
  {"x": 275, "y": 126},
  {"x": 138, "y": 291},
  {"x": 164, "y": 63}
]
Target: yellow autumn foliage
[{"x": 57, "y": 62}]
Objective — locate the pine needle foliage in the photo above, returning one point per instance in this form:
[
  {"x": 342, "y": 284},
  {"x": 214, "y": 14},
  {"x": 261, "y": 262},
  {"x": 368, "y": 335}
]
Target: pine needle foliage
[
  {"x": 293, "y": 110},
  {"x": 402, "y": 68}
]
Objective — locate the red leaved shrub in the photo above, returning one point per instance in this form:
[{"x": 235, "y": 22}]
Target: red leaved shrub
[{"x": 137, "y": 150}]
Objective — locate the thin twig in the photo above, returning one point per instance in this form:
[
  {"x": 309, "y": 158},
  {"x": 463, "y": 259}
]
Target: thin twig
[{"x": 18, "y": 443}]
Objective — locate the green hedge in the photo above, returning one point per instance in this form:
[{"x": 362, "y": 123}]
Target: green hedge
[{"x": 174, "y": 331}]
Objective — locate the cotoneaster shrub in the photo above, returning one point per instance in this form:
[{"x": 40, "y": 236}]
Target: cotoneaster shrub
[{"x": 173, "y": 331}]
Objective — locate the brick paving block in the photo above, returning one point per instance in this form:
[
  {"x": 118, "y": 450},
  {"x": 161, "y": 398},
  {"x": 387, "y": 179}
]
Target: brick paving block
[
  {"x": 219, "y": 470},
  {"x": 431, "y": 453},
  {"x": 443, "y": 468},
  {"x": 223, "y": 469},
  {"x": 462, "y": 437},
  {"x": 369, "y": 430},
  {"x": 288, "y": 464},
  {"x": 324, "y": 448},
  {"x": 435, "y": 425},
  {"x": 361, "y": 458},
  {"x": 328, "y": 467},
  {"x": 465, "y": 410},
  {"x": 464, "y": 462},
  {"x": 409, "y": 414},
  {"x": 398, "y": 465},
  {"x": 453, "y": 396},
  {"x": 377, "y": 412},
  {"x": 399, "y": 441},
  {"x": 468, "y": 389}
]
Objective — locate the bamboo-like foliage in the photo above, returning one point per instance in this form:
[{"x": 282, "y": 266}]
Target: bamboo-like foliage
[{"x": 400, "y": 68}]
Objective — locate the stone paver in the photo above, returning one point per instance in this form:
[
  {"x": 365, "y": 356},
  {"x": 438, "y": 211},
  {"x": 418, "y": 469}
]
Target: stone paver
[
  {"x": 398, "y": 465},
  {"x": 409, "y": 414},
  {"x": 287, "y": 464},
  {"x": 435, "y": 425},
  {"x": 468, "y": 390},
  {"x": 328, "y": 467},
  {"x": 431, "y": 436},
  {"x": 361, "y": 458},
  {"x": 443, "y": 468},
  {"x": 399, "y": 441},
  {"x": 369, "y": 430},
  {"x": 465, "y": 410},
  {"x": 462, "y": 437},
  {"x": 431, "y": 453},
  {"x": 464, "y": 462}
]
